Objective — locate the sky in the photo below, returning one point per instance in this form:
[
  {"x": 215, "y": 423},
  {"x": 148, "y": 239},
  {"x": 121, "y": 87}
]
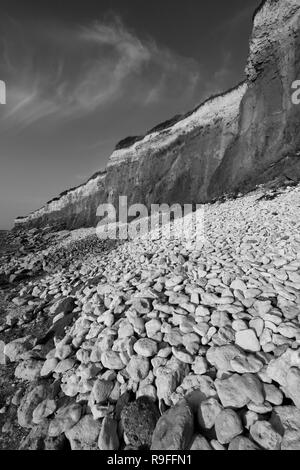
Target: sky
[{"x": 83, "y": 75}]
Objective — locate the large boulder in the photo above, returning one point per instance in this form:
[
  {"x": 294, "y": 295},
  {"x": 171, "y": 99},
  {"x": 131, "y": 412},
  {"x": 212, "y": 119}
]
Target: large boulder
[
  {"x": 169, "y": 377},
  {"x": 84, "y": 434},
  {"x": 175, "y": 429},
  {"x": 65, "y": 418},
  {"x": 32, "y": 398},
  {"x": 108, "y": 437}
]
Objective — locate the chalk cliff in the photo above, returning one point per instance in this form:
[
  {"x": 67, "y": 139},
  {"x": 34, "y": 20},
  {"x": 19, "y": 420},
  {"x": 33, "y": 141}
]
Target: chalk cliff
[
  {"x": 75, "y": 207},
  {"x": 234, "y": 141},
  {"x": 268, "y": 138}
]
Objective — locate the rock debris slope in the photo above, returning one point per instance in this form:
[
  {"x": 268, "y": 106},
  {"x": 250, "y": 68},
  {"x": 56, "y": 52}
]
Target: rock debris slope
[
  {"x": 155, "y": 343},
  {"x": 232, "y": 142}
]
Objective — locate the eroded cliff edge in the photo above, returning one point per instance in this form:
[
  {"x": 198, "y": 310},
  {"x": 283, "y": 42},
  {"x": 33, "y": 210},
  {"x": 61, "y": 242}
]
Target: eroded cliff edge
[
  {"x": 268, "y": 138},
  {"x": 244, "y": 137}
]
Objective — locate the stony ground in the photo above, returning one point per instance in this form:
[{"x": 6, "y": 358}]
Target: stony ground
[{"x": 155, "y": 343}]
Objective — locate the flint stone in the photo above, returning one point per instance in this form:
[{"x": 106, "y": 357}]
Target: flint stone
[
  {"x": 242, "y": 443},
  {"x": 65, "y": 418},
  {"x": 48, "y": 367},
  {"x": 43, "y": 410},
  {"x": 145, "y": 347},
  {"x": 84, "y": 435},
  {"x": 286, "y": 421},
  {"x": 16, "y": 348},
  {"x": 168, "y": 378},
  {"x": 285, "y": 370},
  {"x": 228, "y": 425},
  {"x": 101, "y": 390},
  {"x": 263, "y": 434},
  {"x": 111, "y": 360},
  {"x": 247, "y": 340},
  {"x": 138, "y": 368},
  {"x": 29, "y": 370},
  {"x": 200, "y": 443},
  {"x": 239, "y": 390},
  {"x": 207, "y": 413},
  {"x": 31, "y": 399}
]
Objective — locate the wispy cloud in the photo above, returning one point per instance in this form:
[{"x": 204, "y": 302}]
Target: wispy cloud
[
  {"x": 61, "y": 72},
  {"x": 221, "y": 76}
]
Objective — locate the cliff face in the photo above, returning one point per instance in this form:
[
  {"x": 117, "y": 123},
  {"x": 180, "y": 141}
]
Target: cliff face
[
  {"x": 236, "y": 140},
  {"x": 176, "y": 164},
  {"x": 74, "y": 208},
  {"x": 268, "y": 137}
]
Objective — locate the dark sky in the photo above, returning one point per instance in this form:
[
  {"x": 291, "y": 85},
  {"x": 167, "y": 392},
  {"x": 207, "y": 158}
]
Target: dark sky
[{"x": 80, "y": 76}]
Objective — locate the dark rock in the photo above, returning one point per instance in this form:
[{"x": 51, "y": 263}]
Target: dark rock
[
  {"x": 64, "y": 306},
  {"x": 124, "y": 399},
  {"x": 138, "y": 420},
  {"x": 4, "y": 282},
  {"x": 57, "y": 330}
]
